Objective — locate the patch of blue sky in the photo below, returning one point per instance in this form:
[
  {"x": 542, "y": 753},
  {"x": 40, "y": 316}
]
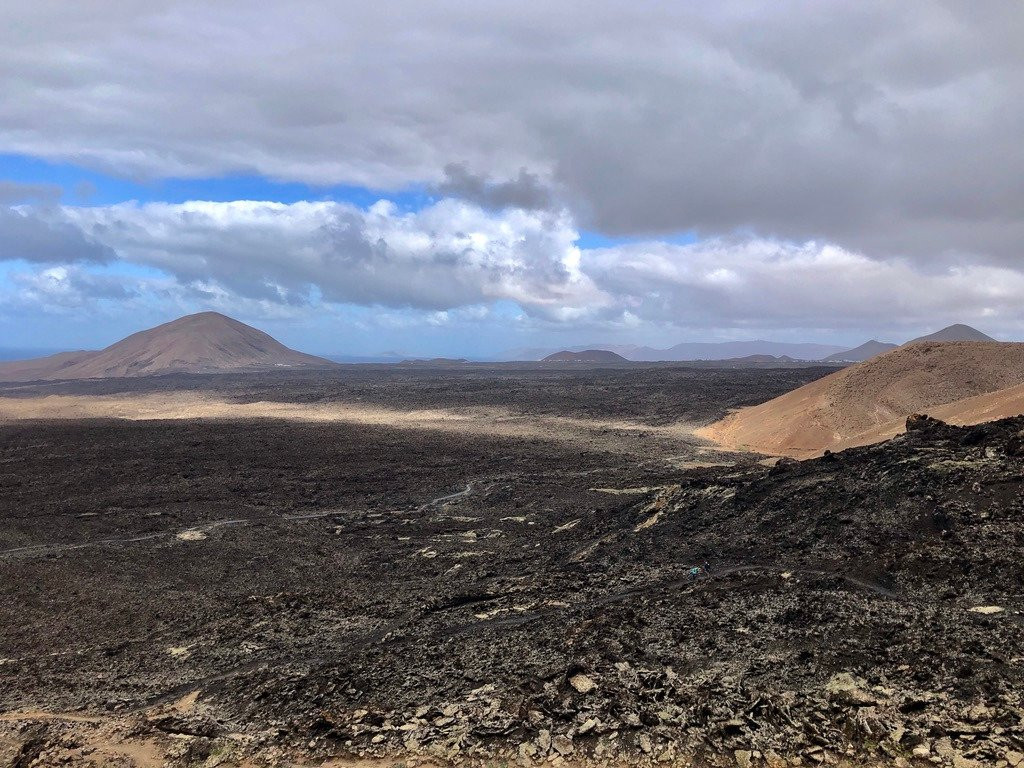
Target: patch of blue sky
[
  {"x": 83, "y": 186},
  {"x": 114, "y": 269},
  {"x": 505, "y": 309},
  {"x": 589, "y": 240}
]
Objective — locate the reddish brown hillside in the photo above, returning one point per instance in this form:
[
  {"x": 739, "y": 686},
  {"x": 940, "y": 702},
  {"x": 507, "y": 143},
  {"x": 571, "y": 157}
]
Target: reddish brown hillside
[
  {"x": 870, "y": 401},
  {"x": 200, "y": 343}
]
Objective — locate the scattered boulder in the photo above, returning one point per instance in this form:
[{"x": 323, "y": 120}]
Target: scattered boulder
[{"x": 582, "y": 683}]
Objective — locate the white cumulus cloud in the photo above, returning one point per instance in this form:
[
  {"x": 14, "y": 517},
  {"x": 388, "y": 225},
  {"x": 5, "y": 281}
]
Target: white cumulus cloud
[
  {"x": 450, "y": 254},
  {"x": 450, "y": 264}
]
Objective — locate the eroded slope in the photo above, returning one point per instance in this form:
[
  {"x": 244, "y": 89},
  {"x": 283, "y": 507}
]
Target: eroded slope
[{"x": 870, "y": 401}]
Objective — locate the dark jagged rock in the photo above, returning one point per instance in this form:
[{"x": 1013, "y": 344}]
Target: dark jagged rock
[
  {"x": 490, "y": 601},
  {"x": 840, "y": 608}
]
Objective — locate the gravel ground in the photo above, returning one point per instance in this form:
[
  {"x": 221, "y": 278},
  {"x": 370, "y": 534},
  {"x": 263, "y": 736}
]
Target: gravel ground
[{"x": 215, "y": 592}]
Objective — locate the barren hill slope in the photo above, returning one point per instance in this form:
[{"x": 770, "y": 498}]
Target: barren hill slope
[
  {"x": 200, "y": 343},
  {"x": 869, "y": 401},
  {"x": 42, "y": 367}
]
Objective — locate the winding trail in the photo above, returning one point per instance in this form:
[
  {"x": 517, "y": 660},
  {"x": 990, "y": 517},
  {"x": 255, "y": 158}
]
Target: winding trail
[
  {"x": 450, "y": 497},
  {"x": 50, "y": 549}
]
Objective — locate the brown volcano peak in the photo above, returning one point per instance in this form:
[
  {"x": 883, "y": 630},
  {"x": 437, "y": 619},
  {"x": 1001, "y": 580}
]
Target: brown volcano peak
[{"x": 205, "y": 342}]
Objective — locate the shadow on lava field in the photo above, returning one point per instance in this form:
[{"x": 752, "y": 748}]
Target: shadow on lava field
[
  {"x": 653, "y": 395},
  {"x": 263, "y": 591}
]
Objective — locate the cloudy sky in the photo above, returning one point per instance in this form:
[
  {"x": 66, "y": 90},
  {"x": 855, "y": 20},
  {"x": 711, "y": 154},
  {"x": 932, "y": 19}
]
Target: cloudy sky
[{"x": 466, "y": 178}]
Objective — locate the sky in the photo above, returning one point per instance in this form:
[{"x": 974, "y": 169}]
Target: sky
[{"x": 466, "y": 179}]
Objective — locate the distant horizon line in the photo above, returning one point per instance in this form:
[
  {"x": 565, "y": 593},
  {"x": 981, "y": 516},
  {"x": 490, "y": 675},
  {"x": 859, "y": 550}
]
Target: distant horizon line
[{"x": 15, "y": 354}]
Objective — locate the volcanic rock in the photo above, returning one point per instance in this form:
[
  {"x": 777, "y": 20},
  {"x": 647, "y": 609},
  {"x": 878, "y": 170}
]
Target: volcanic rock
[{"x": 582, "y": 683}]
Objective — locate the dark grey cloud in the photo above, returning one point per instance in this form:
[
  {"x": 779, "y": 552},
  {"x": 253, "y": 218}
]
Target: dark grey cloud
[
  {"x": 893, "y": 128},
  {"x": 18, "y": 192},
  {"x": 526, "y": 190},
  {"x": 27, "y": 234}
]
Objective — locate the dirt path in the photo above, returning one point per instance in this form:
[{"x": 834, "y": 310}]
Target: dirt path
[{"x": 192, "y": 533}]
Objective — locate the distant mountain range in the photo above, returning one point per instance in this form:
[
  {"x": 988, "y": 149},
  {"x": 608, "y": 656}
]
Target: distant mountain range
[
  {"x": 759, "y": 350},
  {"x": 869, "y": 349},
  {"x": 724, "y": 350},
  {"x": 212, "y": 342}
]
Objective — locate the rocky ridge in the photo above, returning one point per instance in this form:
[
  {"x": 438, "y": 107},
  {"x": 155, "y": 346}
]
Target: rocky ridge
[{"x": 880, "y": 622}]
